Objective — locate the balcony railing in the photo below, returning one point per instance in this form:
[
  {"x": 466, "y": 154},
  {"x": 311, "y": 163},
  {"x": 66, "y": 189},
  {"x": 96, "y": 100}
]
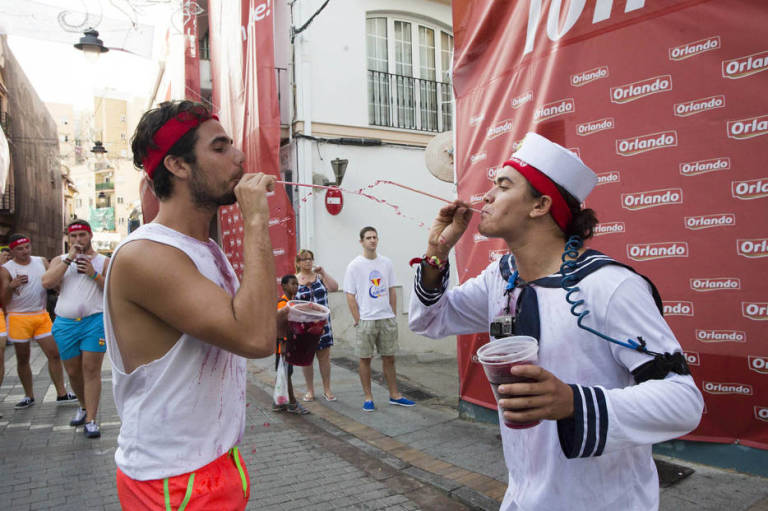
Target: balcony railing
[
  {"x": 399, "y": 101},
  {"x": 100, "y": 187}
]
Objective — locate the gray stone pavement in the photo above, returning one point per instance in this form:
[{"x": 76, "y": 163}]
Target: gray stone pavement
[{"x": 338, "y": 457}]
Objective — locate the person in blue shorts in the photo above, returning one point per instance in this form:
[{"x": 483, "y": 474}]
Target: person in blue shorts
[{"x": 79, "y": 325}]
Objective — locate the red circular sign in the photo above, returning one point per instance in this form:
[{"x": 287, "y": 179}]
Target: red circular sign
[{"x": 334, "y": 201}]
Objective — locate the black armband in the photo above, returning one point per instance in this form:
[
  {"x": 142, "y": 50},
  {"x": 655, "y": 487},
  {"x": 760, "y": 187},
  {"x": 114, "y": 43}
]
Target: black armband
[{"x": 661, "y": 366}]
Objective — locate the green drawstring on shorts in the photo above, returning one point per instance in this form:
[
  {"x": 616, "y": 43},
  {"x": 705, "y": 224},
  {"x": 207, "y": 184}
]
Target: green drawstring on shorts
[
  {"x": 186, "y": 497},
  {"x": 235, "y": 453}
]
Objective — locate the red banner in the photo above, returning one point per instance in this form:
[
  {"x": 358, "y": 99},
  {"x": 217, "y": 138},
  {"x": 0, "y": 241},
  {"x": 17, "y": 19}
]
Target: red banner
[
  {"x": 245, "y": 98},
  {"x": 665, "y": 100}
]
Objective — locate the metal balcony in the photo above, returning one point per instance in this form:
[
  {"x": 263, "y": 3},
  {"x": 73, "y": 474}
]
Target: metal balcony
[{"x": 399, "y": 101}]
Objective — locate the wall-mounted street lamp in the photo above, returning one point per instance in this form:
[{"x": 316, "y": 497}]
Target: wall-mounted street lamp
[
  {"x": 99, "y": 150},
  {"x": 339, "y": 168},
  {"x": 91, "y": 45}
]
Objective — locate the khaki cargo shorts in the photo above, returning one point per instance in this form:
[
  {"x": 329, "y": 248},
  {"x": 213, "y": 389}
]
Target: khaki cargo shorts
[{"x": 381, "y": 333}]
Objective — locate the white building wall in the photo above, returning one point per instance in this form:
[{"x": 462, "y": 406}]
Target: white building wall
[{"x": 332, "y": 89}]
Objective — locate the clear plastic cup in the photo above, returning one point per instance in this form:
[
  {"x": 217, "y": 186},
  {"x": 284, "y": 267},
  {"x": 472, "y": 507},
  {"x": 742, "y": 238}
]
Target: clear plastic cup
[
  {"x": 306, "y": 323},
  {"x": 499, "y": 356}
]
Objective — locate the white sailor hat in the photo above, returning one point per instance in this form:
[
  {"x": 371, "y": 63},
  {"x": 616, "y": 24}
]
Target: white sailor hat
[{"x": 558, "y": 164}]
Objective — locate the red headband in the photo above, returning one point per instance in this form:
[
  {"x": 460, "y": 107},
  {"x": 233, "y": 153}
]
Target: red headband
[
  {"x": 16, "y": 243},
  {"x": 78, "y": 227},
  {"x": 170, "y": 133},
  {"x": 559, "y": 210}
]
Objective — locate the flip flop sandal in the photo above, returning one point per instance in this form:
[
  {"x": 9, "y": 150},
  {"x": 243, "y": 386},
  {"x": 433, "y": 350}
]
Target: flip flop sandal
[
  {"x": 308, "y": 398},
  {"x": 332, "y": 398}
]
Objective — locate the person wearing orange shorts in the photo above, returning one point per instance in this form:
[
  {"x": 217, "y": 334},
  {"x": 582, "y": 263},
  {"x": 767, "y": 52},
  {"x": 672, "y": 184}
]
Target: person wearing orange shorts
[
  {"x": 179, "y": 324},
  {"x": 25, "y": 299}
]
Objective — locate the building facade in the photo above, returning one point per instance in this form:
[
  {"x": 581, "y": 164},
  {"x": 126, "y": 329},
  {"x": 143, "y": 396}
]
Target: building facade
[{"x": 32, "y": 201}]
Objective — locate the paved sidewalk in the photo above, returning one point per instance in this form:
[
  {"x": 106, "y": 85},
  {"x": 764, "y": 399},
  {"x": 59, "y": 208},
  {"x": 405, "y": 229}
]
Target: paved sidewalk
[{"x": 338, "y": 457}]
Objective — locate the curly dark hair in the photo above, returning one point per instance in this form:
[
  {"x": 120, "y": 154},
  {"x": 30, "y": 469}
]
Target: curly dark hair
[
  {"x": 142, "y": 140},
  {"x": 584, "y": 220}
]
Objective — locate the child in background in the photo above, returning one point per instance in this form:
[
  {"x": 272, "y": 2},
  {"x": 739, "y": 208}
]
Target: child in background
[{"x": 290, "y": 285}]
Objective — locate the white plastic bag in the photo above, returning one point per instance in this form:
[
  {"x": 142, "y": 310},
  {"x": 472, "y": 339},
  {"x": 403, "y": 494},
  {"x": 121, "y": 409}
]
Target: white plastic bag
[{"x": 280, "y": 395}]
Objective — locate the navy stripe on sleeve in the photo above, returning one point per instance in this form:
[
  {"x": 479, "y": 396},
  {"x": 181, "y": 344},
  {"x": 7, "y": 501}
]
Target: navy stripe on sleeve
[
  {"x": 430, "y": 296},
  {"x": 602, "y": 409},
  {"x": 570, "y": 431}
]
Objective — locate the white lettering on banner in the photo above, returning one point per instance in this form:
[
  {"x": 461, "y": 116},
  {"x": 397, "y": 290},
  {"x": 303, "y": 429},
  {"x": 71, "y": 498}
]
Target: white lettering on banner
[
  {"x": 758, "y": 364},
  {"x": 479, "y": 237},
  {"x": 519, "y": 101},
  {"x": 603, "y": 10},
  {"x": 609, "y": 228},
  {"x": 476, "y": 119},
  {"x": 605, "y": 178},
  {"x": 495, "y": 255},
  {"x": 688, "y": 50},
  {"x": 650, "y": 199},
  {"x": 697, "y": 106},
  {"x": 588, "y": 128},
  {"x": 278, "y": 251},
  {"x": 662, "y": 250},
  {"x": 636, "y": 90},
  {"x": 750, "y": 189},
  {"x": 761, "y": 413},
  {"x": 256, "y": 13},
  {"x": 727, "y": 388},
  {"x": 692, "y": 358},
  {"x": 717, "y": 284},
  {"x": 643, "y": 143},
  {"x": 500, "y": 129},
  {"x": 585, "y": 77},
  {"x": 474, "y": 158},
  {"x": 748, "y": 128},
  {"x": 554, "y": 109},
  {"x": 745, "y": 66},
  {"x": 694, "y": 168},
  {"x": 478, "y": 197},
  {"x": 756, "y": 311},
  {"x": 752, "y": 248},
  {"x": 492, "y": 171},
  {"x": 695, "y": 223},
  {"x": 721, "y": 336},
  {"x": 678, "y": 308}
]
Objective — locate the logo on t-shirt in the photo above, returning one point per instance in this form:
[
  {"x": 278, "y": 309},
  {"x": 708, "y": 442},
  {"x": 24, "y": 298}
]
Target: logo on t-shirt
[{"x": 376, "y": 289}]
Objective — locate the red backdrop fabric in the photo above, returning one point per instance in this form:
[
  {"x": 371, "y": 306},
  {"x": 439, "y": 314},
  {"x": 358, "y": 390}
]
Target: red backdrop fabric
[
  {"x": 245, "y": 97},
  {"x": 666, "y": 101}
]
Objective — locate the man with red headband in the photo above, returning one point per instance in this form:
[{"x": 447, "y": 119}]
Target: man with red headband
[
  {"x": 179, "y": 325},
  {"x": 601, "y": 404},
  {"x": 79, "y": 325},
  {"x": 25, "y": 300}
]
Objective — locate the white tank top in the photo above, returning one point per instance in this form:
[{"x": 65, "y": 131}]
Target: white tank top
[
  {"x": 31, "y": 296},
  {"x": 184, "y": 410},
  {"x": 80, "y": 296}
]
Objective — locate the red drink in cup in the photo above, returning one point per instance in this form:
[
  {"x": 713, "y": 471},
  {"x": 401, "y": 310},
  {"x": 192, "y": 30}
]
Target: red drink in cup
[
  {"x": 499, "y": 356},
  {"x": 306, "y": 323}
]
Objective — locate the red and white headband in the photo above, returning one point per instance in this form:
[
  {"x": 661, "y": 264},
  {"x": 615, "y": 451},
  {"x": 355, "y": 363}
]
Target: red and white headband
[
  {"x": 78, "y": 227},
  {"x": 170, "y": 133},
  {"x": 16, "y": 243}
]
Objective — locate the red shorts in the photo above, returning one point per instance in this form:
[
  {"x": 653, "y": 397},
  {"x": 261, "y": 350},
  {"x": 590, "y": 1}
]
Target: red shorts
[{"x": 223, "y": 484}]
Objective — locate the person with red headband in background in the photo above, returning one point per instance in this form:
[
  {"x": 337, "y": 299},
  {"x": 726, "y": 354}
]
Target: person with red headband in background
[
  {"x": 79, "y": 325},
  {"x": 25, "y": 300},
  {"x": 179, "y": 325},
  {"x": 601, "y": 404}
]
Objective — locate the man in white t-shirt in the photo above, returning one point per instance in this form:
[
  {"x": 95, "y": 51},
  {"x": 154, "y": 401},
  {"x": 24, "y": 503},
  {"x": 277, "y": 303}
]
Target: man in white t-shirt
[
  {"x": 25, "y": 300},
  {"x": 79, "y": 326},
  {"x": 369, "y": 284}
]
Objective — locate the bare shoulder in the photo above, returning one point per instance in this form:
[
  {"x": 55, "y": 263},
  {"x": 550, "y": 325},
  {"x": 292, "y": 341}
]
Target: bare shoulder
[{"x": 142, "y": 267}]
